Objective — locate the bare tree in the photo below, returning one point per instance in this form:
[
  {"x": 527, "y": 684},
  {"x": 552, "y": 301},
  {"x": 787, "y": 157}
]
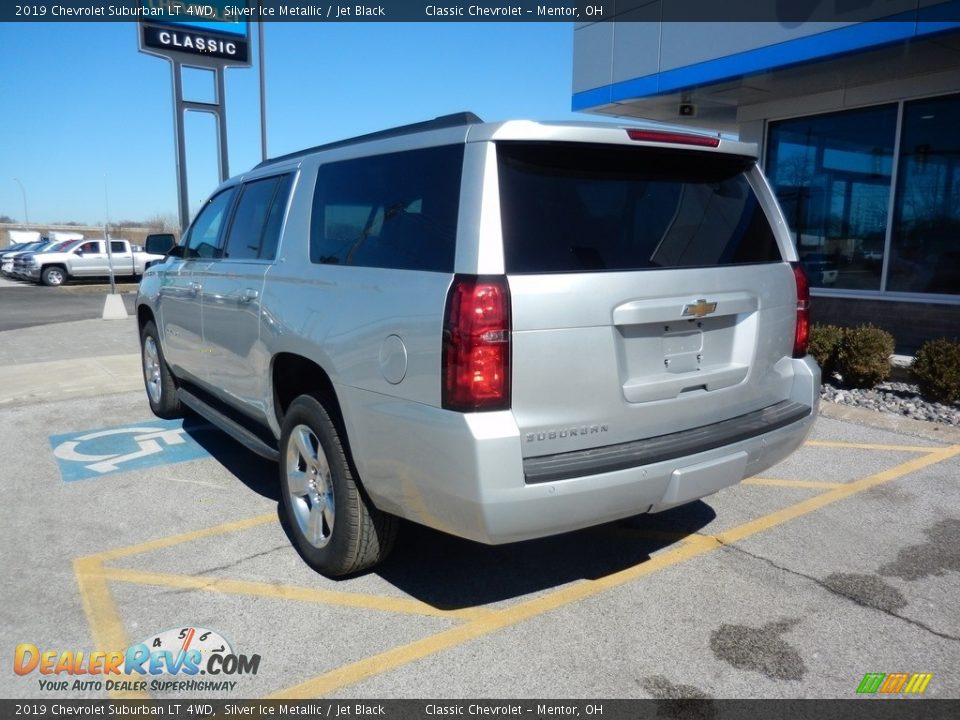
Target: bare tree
[{"x": 163, "y": 222}]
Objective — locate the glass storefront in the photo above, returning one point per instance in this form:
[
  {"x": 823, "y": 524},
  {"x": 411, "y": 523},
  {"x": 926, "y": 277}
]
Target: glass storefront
[
  {"x": 833, "y": 175},
  {"x": 925, "y": 247}
]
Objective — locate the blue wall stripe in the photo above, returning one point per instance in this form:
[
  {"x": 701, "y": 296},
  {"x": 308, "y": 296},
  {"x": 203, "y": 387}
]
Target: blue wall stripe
[{"x": 832, "y": 43}]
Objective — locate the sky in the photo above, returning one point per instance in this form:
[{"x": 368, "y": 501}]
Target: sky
[{"x": 86, "y": 124}]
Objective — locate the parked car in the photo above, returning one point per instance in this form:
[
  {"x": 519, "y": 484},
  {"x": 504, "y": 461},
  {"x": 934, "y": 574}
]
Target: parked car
[
  {"x": 10, "y": 249},
  {"x": 502, "y": 331},
  {"x": 8, "y": 257},
  {"x": 86, "y": 259},
  {"x": 22, "y": 261}
]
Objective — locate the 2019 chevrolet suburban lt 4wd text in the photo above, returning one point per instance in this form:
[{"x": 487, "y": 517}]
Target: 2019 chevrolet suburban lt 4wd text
[{"x": 502, "y": 331}]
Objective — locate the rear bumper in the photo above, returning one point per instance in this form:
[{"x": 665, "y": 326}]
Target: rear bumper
[
  {"x": 465, "y": 474},
  {"x": 660, "y": 449}
]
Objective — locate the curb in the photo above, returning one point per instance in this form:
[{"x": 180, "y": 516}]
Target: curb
[{"x": 891, "y": 422}]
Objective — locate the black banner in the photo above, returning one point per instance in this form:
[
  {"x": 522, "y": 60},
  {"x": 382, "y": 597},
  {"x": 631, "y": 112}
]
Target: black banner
[
  {"x": 690, "y": 709},
  {"x": 586, "y": 11}
]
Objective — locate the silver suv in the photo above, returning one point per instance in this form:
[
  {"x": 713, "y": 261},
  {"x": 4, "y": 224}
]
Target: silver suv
[{"x": 502, "y": 331}]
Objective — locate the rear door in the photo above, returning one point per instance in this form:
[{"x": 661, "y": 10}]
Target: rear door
[
  {"x": 649, "y": 293},
  {"x": 232, "y": 294},
  {"x": 121, "y": 257}
]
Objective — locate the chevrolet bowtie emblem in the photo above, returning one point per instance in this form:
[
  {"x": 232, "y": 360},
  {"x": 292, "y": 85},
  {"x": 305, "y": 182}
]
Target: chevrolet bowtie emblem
[{"x": 698, "y": 309}]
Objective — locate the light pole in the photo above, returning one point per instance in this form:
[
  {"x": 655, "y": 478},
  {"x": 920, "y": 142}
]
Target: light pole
[
  {"x": 26, "y": 218},
  {"x": 106, "y": 236}
]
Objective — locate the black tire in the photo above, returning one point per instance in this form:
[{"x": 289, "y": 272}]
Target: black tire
[
  {"x": 336, "y": 528},
  {"x": 158, "y": 381},
  {"x": 53, "y": 276}
]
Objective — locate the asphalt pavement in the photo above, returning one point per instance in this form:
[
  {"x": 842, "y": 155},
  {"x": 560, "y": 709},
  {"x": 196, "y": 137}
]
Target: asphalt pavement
[
  {"x": 841, "y": 561},
  {"x": 26, "y": 305}
]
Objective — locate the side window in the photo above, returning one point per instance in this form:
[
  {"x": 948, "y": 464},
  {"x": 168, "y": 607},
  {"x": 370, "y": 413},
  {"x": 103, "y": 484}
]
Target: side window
[
  {"x": 118, "y": 246},
  {"x": 255, "y": 230},
  {"x": 204, "y": 234},
  {"x": 91, "y": 247},
  {"x": 389, "y": 211}
]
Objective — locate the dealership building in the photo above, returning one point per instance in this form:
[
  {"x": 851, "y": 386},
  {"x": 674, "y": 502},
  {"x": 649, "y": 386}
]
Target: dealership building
[{"x": 858, "y": 129}]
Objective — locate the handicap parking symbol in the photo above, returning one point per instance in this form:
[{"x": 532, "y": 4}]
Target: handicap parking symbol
[{"x": 89, "y": 454}]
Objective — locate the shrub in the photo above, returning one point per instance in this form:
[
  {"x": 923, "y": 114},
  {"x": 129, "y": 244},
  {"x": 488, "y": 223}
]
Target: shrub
[
  {"x": 824, "y": 343},
  {"x": 863, "y": 359},
  {"x": 936, "y": 369}
]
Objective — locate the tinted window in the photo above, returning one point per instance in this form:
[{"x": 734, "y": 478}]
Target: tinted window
[
  {"x": 582, "y": 208},
  {"x": 832, "y": 176},
  {"x": 391, "y": 211},
  {"x": 255, "y": 230},
  {"x": 118, "y": 246},
  {"x": 204, "y": 234}
]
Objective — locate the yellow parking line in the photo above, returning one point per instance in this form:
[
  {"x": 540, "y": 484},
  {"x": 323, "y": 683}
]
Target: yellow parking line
[
  {"x": 813, "y": 484},
  {"x": 872, "y": 446},
  {"x": 398, "y": 657},
  {"x": 108, "y": 630},
  {"x": 839, "y": 493},
  {"x": 405, "y": 654},
  {"x": 105, "y": 625},
  {"x": 289, "y": 592},
  {"x": 165, "y": 542}
]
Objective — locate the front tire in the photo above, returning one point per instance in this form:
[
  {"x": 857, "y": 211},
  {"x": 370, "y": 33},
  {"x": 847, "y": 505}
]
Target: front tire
[
  {"x": 157, "y": 379},
  {"x": 336, "y": 528},
  {"x": 53, "y": 276}
]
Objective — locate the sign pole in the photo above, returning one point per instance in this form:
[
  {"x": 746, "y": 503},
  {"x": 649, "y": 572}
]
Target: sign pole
[
  {"x": 215, "y": 43},
  {"x": 183, "y": 198},
  {"x": 263, "y": 84}
]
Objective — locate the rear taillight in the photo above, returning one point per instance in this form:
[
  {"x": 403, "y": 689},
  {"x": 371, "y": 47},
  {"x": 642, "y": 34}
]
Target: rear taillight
[
  {"x": 675, "y": 138},
  {"x": 476, "y": 344},
  {"x": 801, "y": 335}
]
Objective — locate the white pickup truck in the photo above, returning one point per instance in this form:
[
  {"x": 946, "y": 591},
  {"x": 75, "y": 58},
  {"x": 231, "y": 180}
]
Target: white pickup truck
[{"x": 87, "y": 258}]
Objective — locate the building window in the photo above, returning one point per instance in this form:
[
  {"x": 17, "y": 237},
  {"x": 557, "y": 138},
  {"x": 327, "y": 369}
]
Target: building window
[
  {"x": 832, "y": 175},
  {"x": 925, "y": 244}
]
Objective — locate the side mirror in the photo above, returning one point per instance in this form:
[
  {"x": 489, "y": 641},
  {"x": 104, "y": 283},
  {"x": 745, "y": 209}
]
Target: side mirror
[
  {"x": 78, "y": 251},
  {"x": 160, "y": 244}
]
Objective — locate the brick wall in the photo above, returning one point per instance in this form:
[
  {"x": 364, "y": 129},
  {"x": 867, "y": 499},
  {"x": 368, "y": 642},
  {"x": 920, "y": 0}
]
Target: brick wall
[{"x": 910, "y": 323}]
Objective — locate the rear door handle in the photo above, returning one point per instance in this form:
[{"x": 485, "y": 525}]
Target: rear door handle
[
  {"x": 195, "y": 288},
  {"x": 249, "y": 295}
]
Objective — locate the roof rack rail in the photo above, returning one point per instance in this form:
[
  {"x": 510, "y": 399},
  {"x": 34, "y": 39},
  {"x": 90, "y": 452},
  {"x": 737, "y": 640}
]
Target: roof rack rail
[{"x": 443, "y": 121}]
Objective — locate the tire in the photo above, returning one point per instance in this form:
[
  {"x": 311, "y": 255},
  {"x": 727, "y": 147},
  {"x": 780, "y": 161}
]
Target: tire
[
  {"x": 334, "y": 525},
  {"x": 54, "y": 276},
  {"x": 157, "y": 379}
]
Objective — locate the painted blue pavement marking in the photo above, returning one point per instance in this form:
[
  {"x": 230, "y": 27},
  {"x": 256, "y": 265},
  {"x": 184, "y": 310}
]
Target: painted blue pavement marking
[{"x": 151, "y": 443}]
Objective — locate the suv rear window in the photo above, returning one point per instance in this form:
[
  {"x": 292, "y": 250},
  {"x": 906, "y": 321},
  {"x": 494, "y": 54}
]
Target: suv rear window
[
  {"x": 394, "y": 211},
  {"x": 590, "y": 208}
]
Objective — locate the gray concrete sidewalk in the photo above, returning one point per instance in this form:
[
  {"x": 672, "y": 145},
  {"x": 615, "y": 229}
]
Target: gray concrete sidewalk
[{"x": 73, "y": 359}]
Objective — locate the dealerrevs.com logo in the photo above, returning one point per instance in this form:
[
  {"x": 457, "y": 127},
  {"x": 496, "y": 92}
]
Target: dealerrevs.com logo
[{"x": 182, "y": 653}]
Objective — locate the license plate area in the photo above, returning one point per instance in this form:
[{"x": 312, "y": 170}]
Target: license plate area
[{"x": 697, "y": 481}]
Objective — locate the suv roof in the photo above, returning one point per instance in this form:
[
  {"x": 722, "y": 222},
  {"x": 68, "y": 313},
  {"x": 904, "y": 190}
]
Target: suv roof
[
  {"x": 478, "y": 130},
  {"x": 438, "y": 123}
]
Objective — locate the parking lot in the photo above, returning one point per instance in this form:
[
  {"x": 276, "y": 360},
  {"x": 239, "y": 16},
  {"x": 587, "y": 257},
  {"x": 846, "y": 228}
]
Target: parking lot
[
  {"x": 27, "y": 305},
  {"x": 841, "y": 561}
]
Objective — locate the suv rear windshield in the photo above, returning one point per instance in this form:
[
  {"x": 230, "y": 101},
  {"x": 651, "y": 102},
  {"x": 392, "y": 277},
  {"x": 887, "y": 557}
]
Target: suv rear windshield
[{"x": 588, "y": 208}]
